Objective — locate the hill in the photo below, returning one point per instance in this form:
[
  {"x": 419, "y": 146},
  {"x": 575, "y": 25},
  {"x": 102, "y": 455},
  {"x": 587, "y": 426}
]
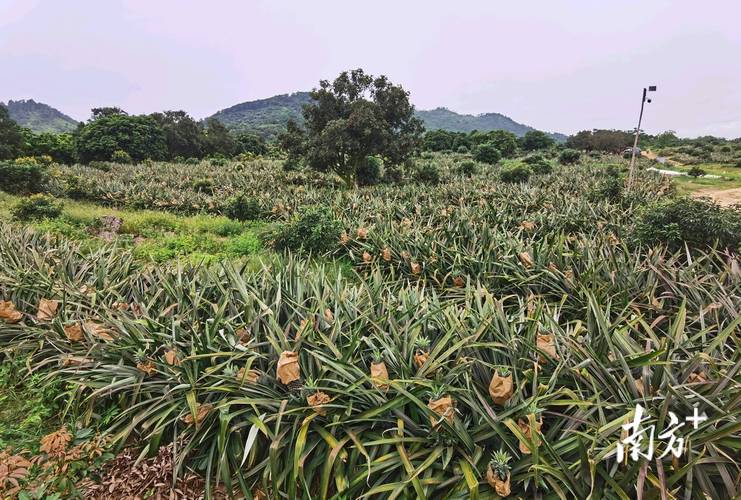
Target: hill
[
  {"x": 265, "y": 117},
  {"x": 39, "y": 117},
  {"x": 445, "y": 119},
  {"x": 268, "y": 117}
]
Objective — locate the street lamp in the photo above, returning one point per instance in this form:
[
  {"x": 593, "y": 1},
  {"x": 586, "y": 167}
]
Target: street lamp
[{"x": 631, "y": 175}]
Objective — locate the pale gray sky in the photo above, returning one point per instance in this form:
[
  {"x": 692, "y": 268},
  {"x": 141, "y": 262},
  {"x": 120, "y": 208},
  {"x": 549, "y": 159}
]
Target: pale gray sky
[{"x": 558, "y": 65}]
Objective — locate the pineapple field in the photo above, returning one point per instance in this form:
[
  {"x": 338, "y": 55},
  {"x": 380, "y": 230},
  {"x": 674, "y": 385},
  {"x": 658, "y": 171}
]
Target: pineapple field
[{"x": 465, "y": 331}]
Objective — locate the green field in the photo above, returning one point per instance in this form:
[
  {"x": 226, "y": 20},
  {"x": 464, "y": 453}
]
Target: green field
[{"x": 255, "y": 346}]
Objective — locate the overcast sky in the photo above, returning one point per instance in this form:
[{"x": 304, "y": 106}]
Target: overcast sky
[{"x": 556, "y": 65}]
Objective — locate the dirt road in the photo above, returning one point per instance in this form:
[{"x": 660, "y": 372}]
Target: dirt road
[{"x": 723, "y": 197}]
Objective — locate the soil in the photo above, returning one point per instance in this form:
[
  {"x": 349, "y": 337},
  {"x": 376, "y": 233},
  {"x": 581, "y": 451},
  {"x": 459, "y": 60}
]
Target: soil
[{"x": 723, "y": 197}]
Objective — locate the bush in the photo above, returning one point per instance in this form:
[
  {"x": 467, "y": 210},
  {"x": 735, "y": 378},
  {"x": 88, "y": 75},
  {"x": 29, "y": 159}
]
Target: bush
[
  {"x": 22, "y": 178},
  {"x": 242, "y": 207},
  {"x": 314, "y": 230},
  {"x": 100, "y": 165},
  {"x": 468, "y": 168},
  {"x": 569, "y": 156},
  {"x": 518, "y": 173},
  {"x": 487, "y": 153},
  {"x": 218, "y": 162},
  {"x": 428, "y": 173},
  {"x": 695, "y": 172},
  {"x": 538, "y": 164},
  {"x": 37, "y": 207},
  {"x": 462, "y": 149},
  {"x": 121, "y": 156},
  {"x": 192, "y": 161},
  {"x": 204, "y": 185},
  {"x": 610, "y": 189},
  {"x": 370, "y": 171},
  {"x": 697, "y": 222}
]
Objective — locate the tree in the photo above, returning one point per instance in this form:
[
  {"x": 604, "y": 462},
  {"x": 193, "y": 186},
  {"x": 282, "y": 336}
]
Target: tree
[
  {"x": 503, "y": 140},
  {"x": 183, "y": 135},
  {"x": 218, "y": 139},
  {"x": 61, "y": 147},
  {"x": 487, "y": 153},
  {"x": 535, "y": 139},
  {"x": 251, "y": 143},
  {"x": 11, "y": 136},
  {"x": 354, "y": 117},
  {"x": 139, "y": 136}
]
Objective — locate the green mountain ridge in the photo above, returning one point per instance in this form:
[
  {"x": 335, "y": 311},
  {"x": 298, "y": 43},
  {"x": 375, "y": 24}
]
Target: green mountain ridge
[
  {"x": 268, "y": 117},
  {"x": 39, "y": 117}
]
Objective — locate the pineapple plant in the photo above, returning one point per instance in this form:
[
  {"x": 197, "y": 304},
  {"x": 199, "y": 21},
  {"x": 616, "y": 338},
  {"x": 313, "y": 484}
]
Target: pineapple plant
[
  {"x": 421, "y": 350},
  {"x": 442, "y": 405},
  {"x": 498, "y": 473}
]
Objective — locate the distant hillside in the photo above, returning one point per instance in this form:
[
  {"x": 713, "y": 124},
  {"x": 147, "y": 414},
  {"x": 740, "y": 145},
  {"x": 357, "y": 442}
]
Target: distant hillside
[
  {"x": 39, "y": 117},
  {"x": 268, "y": 117},
  {"x": 445, "y": 119}
]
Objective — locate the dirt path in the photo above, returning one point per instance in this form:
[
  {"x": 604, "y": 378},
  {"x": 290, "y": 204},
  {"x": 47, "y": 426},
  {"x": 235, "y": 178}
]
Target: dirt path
[{"x": 723, "y": 197}]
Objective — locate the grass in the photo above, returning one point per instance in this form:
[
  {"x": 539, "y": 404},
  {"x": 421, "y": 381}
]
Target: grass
[
  {"x": 155, "y": 235},
  {"x": 729, "y": 177}
]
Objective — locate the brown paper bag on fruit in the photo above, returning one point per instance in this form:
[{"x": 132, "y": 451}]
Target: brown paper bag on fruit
[
  {"x": 74, "y": 332},
  {"x": 420, "y": 358},
  {"x": 288, "y": 369},
  {"x": 525, "y": 428},
  {"x": 317, "y": 400},
  {"x": 442, "y": 407},
  {"x": 379, "y": 375},
  {"x": 501, "y": 486},
  {"x": 47, "y": 309},
  {"x": 248, "y": 376},
  {"x": 500, "y": 388},
  {"x": 9, "y": 313},
  {"x": 546, "y": 345}
]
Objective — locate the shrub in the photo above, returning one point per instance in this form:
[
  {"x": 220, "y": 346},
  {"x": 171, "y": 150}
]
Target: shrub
[
  {"x": 244, "y": 244},
  {"x": 569, "y": 156},
  {"x": 37, "y": 207},
  {"x": 121, "y": 156},
  {"x": 610, "y": 188},
  {"x": 695, "y": 172},
  {"x": 204, "y": 185},
  {"x": 192, "y": 161},
  {"x": 369, "y": 172},
  {"x": 314, "y": 229},
  {"x": 487, "y": 153},
  {"x": 462, "y": 149},
  {"x": 242, "y": 207},
  {"x": 696, "y": 222},
  {"x": 468, "y": 168},
  {"x": 428, "y": 173},
  {"x": 100, "y": 165},
  {"x": 22, "y": 178},
  {"x": 538, "y": 164},
  {"x": 218, "y": 162},
  {"x": 517, "y": 173},
  {"x": 393, "y": 174}
]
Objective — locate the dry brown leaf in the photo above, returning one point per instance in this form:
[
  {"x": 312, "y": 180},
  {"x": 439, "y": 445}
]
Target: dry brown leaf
[
  {"x": 288, "y": 369},
  {"x": 9, "y": 313},
  {"x": 500, "y": 388},
  {"x": 55, "y": 444}
]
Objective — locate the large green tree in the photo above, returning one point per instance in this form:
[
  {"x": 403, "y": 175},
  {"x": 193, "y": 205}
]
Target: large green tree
[
  {"x": 218, "y": 139},
  {"x": 350, "y": 119},
  {"x": 184, "y": 136},
  {"x": 11, "y": 136},
  {"x": 113, "y": 130},
  {"x": 535, "y": 139},
  {"x": 61, "y": 147}
]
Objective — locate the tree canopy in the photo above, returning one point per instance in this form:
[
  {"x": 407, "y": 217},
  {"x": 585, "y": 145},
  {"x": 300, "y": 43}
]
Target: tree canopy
[
  {"x": 354, "y": 117},
  {"x": 11, "y": 137},
  {"x": 139, "y": 136}
]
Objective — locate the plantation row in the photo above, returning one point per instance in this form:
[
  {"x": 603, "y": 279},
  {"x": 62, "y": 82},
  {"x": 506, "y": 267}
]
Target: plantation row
[{"x": 298, "y": 382}]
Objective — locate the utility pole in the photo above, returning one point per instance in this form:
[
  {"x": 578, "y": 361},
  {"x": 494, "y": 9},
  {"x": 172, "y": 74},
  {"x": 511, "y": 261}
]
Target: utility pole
[{"x": 631, "y": 174}]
